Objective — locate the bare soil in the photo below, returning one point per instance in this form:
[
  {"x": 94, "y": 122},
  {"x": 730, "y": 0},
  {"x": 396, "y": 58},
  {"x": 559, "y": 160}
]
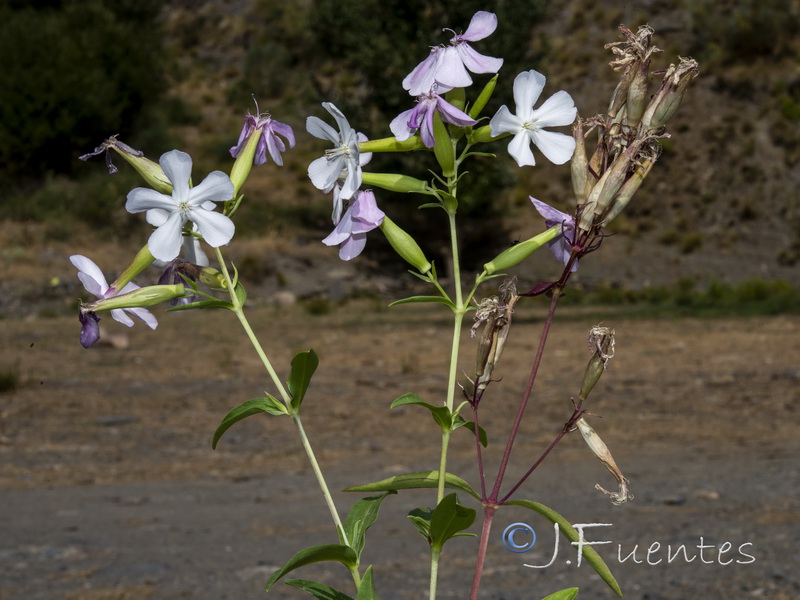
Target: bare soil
[{"x": 111, "y": 489}]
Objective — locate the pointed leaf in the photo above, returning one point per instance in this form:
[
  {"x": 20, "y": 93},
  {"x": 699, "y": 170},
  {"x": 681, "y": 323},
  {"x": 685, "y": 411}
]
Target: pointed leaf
[
  {"x": 421, "y": 480},
  {"x": 202, "y": 304},
  {"x": 441, "y": 414},
  {"x": 269, "y": 405},
  {"x": 240, "y": 292},
  {"x": 449, "y": 519},
  {"x": 303, "y": 366},
  {"x": 421, "y": 519},
  {"x": 589, "y": 553},
  {"x": 314, "y": 554},
  {"x": 420, "y": 299},
  {"x": 318, "y": 590},
  {"x": 567, "y": 594},
  {"x": 361, "y": 517},
  {"x": 460, "y": 422},
  {"x": 366, "y": 591}
]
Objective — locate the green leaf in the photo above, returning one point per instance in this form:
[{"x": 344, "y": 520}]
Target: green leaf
[
  {"x": 449, "y": 519},
  {"x": 318, "y": 590},
  {"x": 589, "y": 553},
  {"x": 366, "y": 591},
  {"x": 441, "y": 414},
  {"x": 269, "y": 405},
  {"x": 303, "y": 366},
  {"x": 421, "y": 519},
  {"x": 202, "y": 304},
  {"x": 420, "y": 299},
  {"x": 361, "y": 517},
  {"x": 315, "y": 554},
  {"x": 460, "y": 422},
  {"x": 411, "y": 481},
  {"x": 241, "y": 293},
  {"x": 567, "y": 594}
]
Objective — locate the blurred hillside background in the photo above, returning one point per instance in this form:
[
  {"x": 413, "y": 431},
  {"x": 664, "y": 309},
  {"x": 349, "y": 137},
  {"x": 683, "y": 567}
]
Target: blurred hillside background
[{"x": 719, "y": 215}]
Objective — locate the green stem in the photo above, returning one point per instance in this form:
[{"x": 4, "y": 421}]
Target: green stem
[
  {"x": 238, "y": 309},
  {"x": 435, "y": 553}
]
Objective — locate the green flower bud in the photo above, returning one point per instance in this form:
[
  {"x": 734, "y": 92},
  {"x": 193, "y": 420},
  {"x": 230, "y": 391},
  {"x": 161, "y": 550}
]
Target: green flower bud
[
  {"x": 392, "y": 145},
  {"x": 141, "y": 261},
  {"x": 244, "y": 162},
  {"x": 396, "y": 183},
  {"x": 140, "y": 298},
  {"x": 405, "y": 246},
  {"x": 483, "y": 134},
  {"x": 519, "y": 252},
  {"x": 150, "y": 171},
  {"x": 443, "y": 147},
  {"x": 483, "y": 98}
]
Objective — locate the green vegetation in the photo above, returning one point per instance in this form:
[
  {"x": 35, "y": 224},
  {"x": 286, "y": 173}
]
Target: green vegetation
[{"x": 751, "y": 297}]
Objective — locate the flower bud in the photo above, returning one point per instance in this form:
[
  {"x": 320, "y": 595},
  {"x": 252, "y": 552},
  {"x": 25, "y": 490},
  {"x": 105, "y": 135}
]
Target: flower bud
[
  {"x": 519, "y": 252},
  {"x": 392, "y": 145},
  {"x": 443, "y": 147},
  {"x": 139, "y": 298},
  {"x": 665, "y": 103},
  {"x": 396, "y": 183},
  {"x": 150, "y": 171},
  {"x": 582, "y": 178},
  {"x": 244, "y": 161},
  {"x": 483, "y": 98},
  {"x": 405, "y": 246},
  {"x": 483, "y": 134},
  {"x": 601, "y": 341},
  {"x": 141, "y": 261}
]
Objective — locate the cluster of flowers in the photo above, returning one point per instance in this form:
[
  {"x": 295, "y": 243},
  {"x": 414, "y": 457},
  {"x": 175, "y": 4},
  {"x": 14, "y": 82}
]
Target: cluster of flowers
[{"x": 444, "y": 69}]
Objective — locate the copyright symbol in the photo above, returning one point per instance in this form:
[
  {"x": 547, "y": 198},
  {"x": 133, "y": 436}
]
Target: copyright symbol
[{"x": 526, "y": 531}]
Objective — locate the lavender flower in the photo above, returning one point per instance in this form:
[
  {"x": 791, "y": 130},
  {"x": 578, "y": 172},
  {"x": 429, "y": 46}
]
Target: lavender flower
[
  {"x": 448, "y": 66},
  {"x": 560, "y": 246},
  {"x": 361, "y": 216},
  {"x": 420, "y": 118}
]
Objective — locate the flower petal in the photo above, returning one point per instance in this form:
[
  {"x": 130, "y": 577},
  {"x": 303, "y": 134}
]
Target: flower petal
[
  {"x": 165, "y": 242},
  {"x": 177, "y": 166},
  {"x": 528, "y": 86},
  {"x": 482, "y": 25},
  {"x": 399, "y": 125},
  {"x": 320, "y": 129},
  {"x": 90, "y": 275},
  {"x": 353, "y": 246},
  {"x": 557, "y": 147},
  {"x": 504, "y": 122},
  {"x": 559, "y": 109},
  {"x": 520, "y": 149},
  {"x": 477, "y": 62},
  {"x": 324, "y": 173},
  {"x": 216, "y": 187},
  {"x": 216, "y": 229},
  {"x": 423, "y": 76},
  {"x": 451, "y": 71},
  {"x": 344, "y": 125},
  {"x": 142, "y": 199},
  {"x": 552, "y": 215},
  {"x": 120, "y": 316},
  {"x": 451, "y": 114}
]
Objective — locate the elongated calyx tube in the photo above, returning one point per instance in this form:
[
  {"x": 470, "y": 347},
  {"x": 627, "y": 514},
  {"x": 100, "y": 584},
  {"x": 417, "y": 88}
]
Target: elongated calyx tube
[{"x": 405, "y": 245}]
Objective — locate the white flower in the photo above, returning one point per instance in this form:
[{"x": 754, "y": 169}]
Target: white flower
[
  {"x": 528, "y": 125},
  {"x": 170, "y": 213},
  {"x": 343, "y": 157},
  {"x": 95, "y": 283}
]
